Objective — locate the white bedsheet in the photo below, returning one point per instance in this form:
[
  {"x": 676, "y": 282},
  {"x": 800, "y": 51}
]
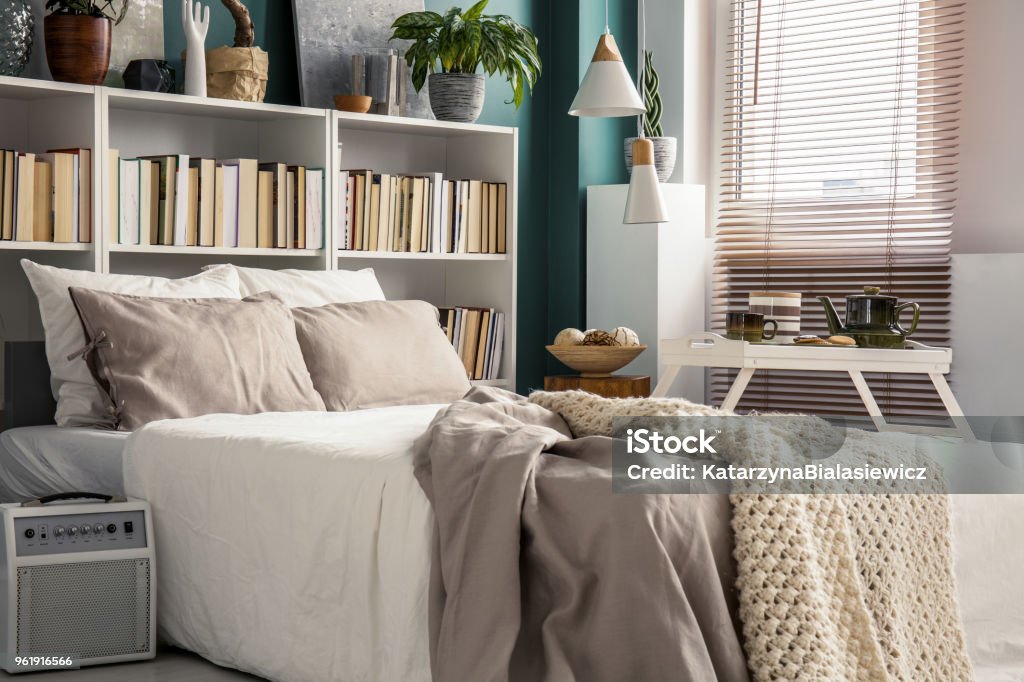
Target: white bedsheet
[
  {"x": 294, "y": 546},
  {"x": 41, "y": 460}
]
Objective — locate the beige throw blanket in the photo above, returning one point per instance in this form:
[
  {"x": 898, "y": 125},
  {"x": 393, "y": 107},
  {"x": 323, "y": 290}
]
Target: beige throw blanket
[{"x": 832, "y": 587}]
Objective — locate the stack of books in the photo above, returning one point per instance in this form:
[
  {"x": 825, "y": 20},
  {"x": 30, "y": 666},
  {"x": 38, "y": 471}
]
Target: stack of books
[
  {"x": 46, "y": 197},
  {"x": 478, "y": 335},
  {"x": 420, "y": 213},
  {"x": 176, "y": 200}
]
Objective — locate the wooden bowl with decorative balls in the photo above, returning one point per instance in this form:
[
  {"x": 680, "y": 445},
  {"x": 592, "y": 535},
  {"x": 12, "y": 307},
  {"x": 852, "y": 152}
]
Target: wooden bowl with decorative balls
[
  {"x": 356, "y": 104},
  {"x": 596, "y": 361}
]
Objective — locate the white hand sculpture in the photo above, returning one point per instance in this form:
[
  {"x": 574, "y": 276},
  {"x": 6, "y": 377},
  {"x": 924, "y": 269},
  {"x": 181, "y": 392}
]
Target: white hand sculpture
[{"x": 196, "y": 22}]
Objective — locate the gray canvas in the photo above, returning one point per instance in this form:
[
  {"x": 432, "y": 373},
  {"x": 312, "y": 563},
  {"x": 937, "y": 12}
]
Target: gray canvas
[{"x": 329, "y": 32}]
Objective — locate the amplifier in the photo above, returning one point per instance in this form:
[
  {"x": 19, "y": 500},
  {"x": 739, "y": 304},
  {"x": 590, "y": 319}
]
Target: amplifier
[{"x": 77, "y": 582}]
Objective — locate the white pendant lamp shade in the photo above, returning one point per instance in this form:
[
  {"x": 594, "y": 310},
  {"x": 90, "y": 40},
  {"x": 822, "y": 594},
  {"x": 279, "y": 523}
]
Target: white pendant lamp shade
[
  {"x": 607, "y": 90},
  {"x": 644, "y": 203}
]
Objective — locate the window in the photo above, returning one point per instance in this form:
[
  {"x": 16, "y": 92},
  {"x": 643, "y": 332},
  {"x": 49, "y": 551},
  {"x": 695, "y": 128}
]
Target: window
[{"x": 838, "y": 171}]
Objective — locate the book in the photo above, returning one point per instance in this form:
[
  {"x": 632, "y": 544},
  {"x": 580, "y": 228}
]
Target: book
[
  {"x": 182, "y": 202},
  {"x": 314, "y": 238},
  {"x": 473, "y": 223},
  {"x": 370, "y": 243},
  {"x": 23, "y": 207},
  {"x": 114, "y": 195},
  {"x": 473, "y": 317},
  {"x": 42, "y": 202},
  {"x": 492, "y": 218},
  {"x": 64, "y": 203},
  {"x": 166, "y": 169},
  {"x": 128, "y": 229},
  {"x": 446, "y": 218},
  {"x": 192, "y": 212},
  {"x": 416, "y": 222},
  {"x": 298, "y": 207},
  {"x": 149, "y": 202},
  {"x": 248, "y": 200},
  {"x": 265, "y": 209},
  {"x": 480, "y": 352},
  {"x": 463, "y": 219},
  {"x": 485, "y": 211},
  {"x": 342, "y": 210},
  {"x": 502, "y": 218},
  {"x": 279, "y": 194},
  {"x": 83, "y": 190},
  {"x": 218, "y": 206},
  {"x": 288, "y": 239},
  {"x": 230, "y": 198},
  {"x": 499, "y": 342},
  {"x": 206, "y": 200},
  {"x": 7, "y": 195}
]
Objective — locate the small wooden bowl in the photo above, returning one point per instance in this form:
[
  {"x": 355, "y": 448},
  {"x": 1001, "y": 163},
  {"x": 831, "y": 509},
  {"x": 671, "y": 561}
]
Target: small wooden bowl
[
  {"x": 357, "y": 104},
  {"x": 596, "y": 361}
]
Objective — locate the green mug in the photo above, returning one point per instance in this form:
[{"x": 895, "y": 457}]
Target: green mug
[{"x": 751, "y": 327}]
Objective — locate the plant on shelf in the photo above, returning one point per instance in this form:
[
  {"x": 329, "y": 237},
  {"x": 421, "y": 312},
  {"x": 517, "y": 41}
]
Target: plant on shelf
[
  {"x": 239, "y": 72},
  {"x": 77, "y": 36},
  {"x": 449, "y": 49},
  {"x": 650, "y": 122}
]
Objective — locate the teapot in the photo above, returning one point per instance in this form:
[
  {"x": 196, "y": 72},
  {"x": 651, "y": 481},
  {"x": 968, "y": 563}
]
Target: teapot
[{"x": 872, "y": 319}]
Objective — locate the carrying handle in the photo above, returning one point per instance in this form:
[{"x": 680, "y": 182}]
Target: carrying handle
[
  {"x": 58, "y": 497},
  {"x": 913, "y": 324}
]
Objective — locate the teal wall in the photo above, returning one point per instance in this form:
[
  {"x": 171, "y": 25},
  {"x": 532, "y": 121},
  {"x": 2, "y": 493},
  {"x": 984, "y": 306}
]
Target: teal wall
[
  {"x": 559, "y": 155},
  {"x": 275, "y": 33}
]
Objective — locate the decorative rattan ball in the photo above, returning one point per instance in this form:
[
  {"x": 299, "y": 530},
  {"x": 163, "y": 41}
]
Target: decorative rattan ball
[
  {"x": 624, "y": 336},
  {"x": 569, "y": 337},
  {"x": 598, "y": 337}
]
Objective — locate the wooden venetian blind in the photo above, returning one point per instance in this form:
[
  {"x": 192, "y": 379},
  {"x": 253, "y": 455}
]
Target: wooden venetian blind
[{"x": 838, "y": 172}]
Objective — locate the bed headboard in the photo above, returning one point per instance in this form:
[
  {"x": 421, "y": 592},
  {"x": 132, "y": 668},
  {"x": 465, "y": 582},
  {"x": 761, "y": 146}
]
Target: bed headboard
[{"x": 28, "y": 400}]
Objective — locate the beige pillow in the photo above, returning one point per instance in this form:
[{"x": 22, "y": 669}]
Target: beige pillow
[
  {"x": 379, "y": 353},
  {"x": 159, "y": 358}
]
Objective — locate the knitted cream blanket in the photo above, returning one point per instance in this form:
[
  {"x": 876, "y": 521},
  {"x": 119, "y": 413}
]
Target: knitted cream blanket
[{"x": 832, "y": 587}]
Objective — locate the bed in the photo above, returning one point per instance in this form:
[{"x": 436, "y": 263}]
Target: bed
[{"x": 285, "y": 536}]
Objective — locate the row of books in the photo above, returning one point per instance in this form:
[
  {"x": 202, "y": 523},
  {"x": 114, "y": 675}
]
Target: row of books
[
  {"x": 478, "y": 335},
  {"x": 176, "y": 200},
  {"x": 46, "y": 197},
  {"x": 420, "y": 213}
]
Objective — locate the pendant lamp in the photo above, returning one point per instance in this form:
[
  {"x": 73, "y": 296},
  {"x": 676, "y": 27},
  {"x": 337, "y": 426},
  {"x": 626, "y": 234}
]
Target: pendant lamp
[
  {"x": 644, "y": 203},
  {"x": 607, "y": 90}
]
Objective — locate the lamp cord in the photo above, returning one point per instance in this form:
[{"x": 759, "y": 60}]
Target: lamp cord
[
  {"x": 641, "y": 65},
  {"x": 607, "y": 29}
]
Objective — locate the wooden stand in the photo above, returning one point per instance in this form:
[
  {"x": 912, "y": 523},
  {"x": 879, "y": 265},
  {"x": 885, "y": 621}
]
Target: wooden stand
[
  {"x": 712, "y": 350},
  {"x": 625, "y": 386}
]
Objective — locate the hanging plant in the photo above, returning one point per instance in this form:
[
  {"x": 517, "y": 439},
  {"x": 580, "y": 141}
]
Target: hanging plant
[{"x": 652, "y": 98}]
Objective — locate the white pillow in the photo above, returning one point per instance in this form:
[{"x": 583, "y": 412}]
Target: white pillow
[
  {"x": 79, "y": 401},
  {"x": 310, "y": 288}
]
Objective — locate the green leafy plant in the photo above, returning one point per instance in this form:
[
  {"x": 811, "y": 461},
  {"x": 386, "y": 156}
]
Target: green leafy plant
[
  {"x": 103, "y": 9},
  {"x": 462, "y": 42},
  {"x": 652, "y": 98}
]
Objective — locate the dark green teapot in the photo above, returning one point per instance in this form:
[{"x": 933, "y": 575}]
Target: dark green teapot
[{"x": 872, "y": 319}]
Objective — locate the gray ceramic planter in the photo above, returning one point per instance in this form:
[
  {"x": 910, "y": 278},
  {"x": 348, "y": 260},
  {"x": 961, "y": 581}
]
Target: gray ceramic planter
[
  {"x": 664, "y": 155},
  {"x": 456, "y": 96}
]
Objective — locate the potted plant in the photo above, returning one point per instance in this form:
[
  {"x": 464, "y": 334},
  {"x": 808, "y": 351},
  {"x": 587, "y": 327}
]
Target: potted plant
[
  {"x": 239, "y": 72},
  {"x": 664, "y": 147},
  {"x": 77, "y": 38},
  {"x": 447, "y": 51}
]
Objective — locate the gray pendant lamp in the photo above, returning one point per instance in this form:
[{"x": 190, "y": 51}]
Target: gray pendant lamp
[
  {"x": 644, "y": 203},
  {"x": 607, "y": 89}
]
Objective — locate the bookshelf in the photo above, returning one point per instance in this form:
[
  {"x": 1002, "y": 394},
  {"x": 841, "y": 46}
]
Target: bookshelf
[{"x": 37, "y": 115}]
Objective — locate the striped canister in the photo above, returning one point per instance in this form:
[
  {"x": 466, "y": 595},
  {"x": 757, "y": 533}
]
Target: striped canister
[{"x": 781, "y": 306}]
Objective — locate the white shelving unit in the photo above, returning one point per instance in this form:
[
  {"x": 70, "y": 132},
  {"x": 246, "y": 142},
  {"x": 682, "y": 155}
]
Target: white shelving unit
[{"x": 40, "y": 115}]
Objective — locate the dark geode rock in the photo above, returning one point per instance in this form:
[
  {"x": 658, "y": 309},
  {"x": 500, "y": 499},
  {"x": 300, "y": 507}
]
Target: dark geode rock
[
  {"x": 16, "y": 33},
  {"x": 151, "y": 75}
]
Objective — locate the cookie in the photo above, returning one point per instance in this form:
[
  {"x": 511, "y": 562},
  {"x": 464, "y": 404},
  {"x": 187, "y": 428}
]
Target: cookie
[
  {"x": 809, "y": 339},
  {"x": 842, "y": 341}
]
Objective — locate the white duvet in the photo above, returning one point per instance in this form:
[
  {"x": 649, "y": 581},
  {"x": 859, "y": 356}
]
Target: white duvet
[{"x": 295, "y": 546}]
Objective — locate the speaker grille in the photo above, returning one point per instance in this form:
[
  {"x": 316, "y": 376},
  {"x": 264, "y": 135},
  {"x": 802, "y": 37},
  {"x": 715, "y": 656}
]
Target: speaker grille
[{"x": 92, "y": 609}]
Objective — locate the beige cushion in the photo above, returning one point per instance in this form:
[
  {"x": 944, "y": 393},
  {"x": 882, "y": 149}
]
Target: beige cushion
[
  {"x": 164, "y": 359},
  {"x": 379, "y": 353},
  {"x": 78, "y": 400}
]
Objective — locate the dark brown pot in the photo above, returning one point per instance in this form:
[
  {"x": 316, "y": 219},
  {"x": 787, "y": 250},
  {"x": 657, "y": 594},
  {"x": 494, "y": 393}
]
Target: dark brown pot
[{"x": 77, "y": 48}]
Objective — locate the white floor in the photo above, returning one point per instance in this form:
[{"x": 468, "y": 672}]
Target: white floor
[{"x": 170, "y": 665}]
